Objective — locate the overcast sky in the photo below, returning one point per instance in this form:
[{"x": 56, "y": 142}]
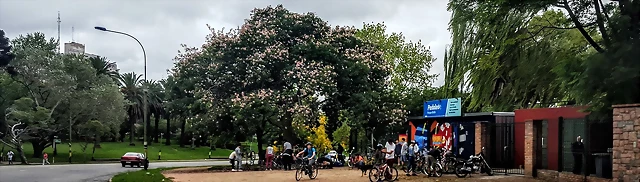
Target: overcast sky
[{"x": 162, "y": 25}]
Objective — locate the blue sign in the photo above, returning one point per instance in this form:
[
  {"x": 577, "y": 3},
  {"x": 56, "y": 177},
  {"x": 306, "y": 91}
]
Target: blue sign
[{"x": 443, "y": 108}]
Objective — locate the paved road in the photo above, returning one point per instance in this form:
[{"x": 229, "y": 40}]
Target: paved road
[{"x": 80, "y": 172}]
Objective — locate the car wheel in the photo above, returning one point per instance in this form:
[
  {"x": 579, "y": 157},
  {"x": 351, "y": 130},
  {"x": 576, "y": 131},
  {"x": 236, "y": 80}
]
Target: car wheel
[
  {"x": 131, "y": 165},
  {"x": 123, "y": 164}
]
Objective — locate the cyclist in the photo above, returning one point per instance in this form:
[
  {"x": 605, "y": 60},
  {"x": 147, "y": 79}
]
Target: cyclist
[
  {"x": 434, "y": 155},
  {"x": 309, "y": 153}
]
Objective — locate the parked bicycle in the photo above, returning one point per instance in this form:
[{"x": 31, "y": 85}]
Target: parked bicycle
[
  {"x": 383, "y": 172},
  {"x": 305, "y": 169}
]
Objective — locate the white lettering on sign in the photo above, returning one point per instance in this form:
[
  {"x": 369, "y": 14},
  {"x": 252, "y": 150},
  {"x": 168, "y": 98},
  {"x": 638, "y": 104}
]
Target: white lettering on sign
[{"x": 433, "y": 107}]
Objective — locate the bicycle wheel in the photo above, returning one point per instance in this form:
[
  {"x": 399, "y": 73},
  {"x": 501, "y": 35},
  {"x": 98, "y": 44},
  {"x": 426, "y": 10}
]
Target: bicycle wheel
[
  {"x": 392, "y": 174},
  {"x": 437, "y": 170},
  {"x": 314, "y": 172},
  {"x": 374, "y": 175},
  {"x": 299, "y": 174}
]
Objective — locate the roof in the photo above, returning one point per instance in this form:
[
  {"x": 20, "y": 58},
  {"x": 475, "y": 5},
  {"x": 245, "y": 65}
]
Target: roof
[
  {"x": 490, "y": 114},
  {"x": 472, "y": 114}
]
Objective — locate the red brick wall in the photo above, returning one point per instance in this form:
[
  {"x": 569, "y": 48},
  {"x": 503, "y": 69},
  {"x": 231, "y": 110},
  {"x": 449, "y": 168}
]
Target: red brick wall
[
  {"x": 478, "y": 137},
  {"x": 552, "y": 175},
  {"x": 529, "y": 147},
  {"x": 626, "y": 150}
]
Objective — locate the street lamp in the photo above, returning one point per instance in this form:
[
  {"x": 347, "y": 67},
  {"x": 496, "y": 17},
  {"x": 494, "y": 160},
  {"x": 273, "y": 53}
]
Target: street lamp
[{"x": 144, "y": 98}]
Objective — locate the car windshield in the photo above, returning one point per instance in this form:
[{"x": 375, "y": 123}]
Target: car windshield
[{"x": 131, "y": 154}]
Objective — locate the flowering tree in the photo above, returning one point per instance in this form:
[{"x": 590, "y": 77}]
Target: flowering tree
[{"x": 274, "y": 69}]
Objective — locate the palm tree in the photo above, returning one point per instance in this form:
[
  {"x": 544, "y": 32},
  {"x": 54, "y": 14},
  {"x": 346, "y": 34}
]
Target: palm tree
[
  {"x": 155, "y": 95},
  {"x": 101, "y": 65},
  {"x": 130, "y": 86}
]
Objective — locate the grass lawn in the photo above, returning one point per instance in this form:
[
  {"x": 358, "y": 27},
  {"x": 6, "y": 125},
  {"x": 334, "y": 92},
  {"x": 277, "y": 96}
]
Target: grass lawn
[
  {"x": 151, "y": 175},
  {"x": 115, "y": 150}
]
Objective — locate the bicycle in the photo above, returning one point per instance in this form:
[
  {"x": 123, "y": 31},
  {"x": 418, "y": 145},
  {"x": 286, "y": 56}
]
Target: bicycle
[
  {"x": 435, "y": 169},
  {"x": 383, "y": 172},
  {"x": 306, "y": 169}
]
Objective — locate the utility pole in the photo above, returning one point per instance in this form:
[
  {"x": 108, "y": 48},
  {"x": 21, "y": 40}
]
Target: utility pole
[{"x": 59, "y": 31}]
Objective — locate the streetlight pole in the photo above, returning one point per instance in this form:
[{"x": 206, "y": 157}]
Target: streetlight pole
[{"x": 144, "y": 98}]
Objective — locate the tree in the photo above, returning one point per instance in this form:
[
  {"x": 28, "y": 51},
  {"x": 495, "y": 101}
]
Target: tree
[
  {"x": 278, "y": 64},
  {"x": 319, "y": 137},
  {"x": 610, "y": 75},
  {"x": 130, "y": 87},
  {"x": 66, "y": 85},
  {"x": 5, "y": 50}
]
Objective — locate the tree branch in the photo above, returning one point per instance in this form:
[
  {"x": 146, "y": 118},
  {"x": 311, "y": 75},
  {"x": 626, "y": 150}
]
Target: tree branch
[
  {"x": 580, "y": 27},
  {"x": 600, "y": 21}
]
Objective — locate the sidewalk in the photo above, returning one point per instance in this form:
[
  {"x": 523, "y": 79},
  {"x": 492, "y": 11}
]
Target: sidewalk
[{"x": 108, "y": 162}]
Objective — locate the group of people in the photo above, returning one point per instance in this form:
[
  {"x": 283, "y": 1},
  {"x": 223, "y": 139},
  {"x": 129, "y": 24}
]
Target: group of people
[
  {"x": 10, "y": 154},
  {"x": 403, "y": 153}
]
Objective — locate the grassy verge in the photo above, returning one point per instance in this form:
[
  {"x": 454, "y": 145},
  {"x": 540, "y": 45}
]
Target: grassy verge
[
  {"x": 115, "y": 150},
  {"x": 151, "y": 175}
]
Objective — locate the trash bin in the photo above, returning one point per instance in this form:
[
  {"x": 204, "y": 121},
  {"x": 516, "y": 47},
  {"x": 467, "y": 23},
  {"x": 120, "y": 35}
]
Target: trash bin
[{"x": 603, "y": 165}]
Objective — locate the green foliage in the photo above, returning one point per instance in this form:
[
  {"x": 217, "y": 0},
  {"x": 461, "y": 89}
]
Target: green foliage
[{"x": 341, "y": 135}]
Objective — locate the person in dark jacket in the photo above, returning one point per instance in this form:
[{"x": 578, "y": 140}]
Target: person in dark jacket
[{"x": 577, "y": 148}]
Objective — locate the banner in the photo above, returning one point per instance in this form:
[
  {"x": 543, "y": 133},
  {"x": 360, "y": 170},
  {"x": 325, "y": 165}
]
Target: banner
[{"x": 443, "y": 108}]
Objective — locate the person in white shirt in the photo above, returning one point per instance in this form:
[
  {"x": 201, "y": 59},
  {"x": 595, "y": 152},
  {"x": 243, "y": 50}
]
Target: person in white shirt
[
  {"x": 389, "y": 155},
  {"x": 232, "y": 160},
  {"x": 10, "y": 156},
  {"x": 288, "y": 159},
  {"x": 269, "y": 156}
]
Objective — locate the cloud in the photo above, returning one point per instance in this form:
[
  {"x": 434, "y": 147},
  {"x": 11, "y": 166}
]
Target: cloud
[{"x": 162, "y": 25}]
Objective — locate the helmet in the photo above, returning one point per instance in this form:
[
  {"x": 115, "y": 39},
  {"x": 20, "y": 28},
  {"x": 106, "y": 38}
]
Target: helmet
[{"x": 309, "y": 143}]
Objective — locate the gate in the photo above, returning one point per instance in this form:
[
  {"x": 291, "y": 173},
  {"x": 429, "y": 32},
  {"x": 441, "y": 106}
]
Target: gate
[{"x": 500, "y": 146}]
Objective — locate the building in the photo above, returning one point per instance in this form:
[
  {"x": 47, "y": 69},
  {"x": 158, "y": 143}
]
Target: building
[{"x": 78, "y": 48}]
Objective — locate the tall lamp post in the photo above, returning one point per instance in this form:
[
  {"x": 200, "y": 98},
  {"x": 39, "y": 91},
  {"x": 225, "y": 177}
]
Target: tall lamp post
[{"x": 144, "y": 98}]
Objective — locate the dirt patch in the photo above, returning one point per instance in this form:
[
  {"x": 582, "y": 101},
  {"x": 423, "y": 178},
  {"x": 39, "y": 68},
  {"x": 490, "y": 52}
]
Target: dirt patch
[{"x": 328, "y": 175}]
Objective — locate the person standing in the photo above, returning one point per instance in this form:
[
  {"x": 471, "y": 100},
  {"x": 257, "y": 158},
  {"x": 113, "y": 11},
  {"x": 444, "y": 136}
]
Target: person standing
[
  {"x": 398, "y": 152},
  {"x": 10, "y": 156},
  {"x": 577, "y": 148},
  {"x": 238, "y": 152},
  {"x": 45, "y": 159},
  {"x": 412, "y": 151},
  {"x": 288, "y": 159},
  {"x": 389, "y": 154},
  {"x": 269, "y": 156}
]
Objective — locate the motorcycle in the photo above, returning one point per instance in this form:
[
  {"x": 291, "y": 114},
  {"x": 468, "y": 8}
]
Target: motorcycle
[
  {"x": 449, "y": 162},
  {"x": 351, "y": 158},
  {"x": 475, "y": 164}
]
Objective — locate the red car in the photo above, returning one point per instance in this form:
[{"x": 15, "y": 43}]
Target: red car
[{"x": 132, "y": 158}]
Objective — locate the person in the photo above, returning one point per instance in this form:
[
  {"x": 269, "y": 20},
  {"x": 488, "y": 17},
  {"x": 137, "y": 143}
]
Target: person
[
  {"x": 434, "y": 154},
  {"x": 238, "y": 152},
  {"x": 232, "y": 160},
  {"x": 398, "y": 152},
  {"x": 412, "y": 151},
  {"x": 10, "y": 156},
  {"x": 359, "y": 161},
  {"x": 577, "y": 148},
  {"x": 269, "y": 156},
  {"x": 389, "y": 155},
  {"x": 45, "y": 159},
  {"x": 378, "y": 156},
  {"x": 288, "y": 158},
  {"x": 309, "y": 154},
  {"x": 403, "y": 152},
  {"x": 340, "y": 152}
]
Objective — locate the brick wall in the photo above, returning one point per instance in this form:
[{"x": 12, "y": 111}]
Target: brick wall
[
  {"x": 529, "y": 147},
  {"x": 626, "y": 150},
  {"x": 552, "y": 175},
  {"x": 478, "y": 138}
]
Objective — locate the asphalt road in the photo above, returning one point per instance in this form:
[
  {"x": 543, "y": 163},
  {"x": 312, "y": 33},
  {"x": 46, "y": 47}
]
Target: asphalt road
[{"x": 81, "y": 172}]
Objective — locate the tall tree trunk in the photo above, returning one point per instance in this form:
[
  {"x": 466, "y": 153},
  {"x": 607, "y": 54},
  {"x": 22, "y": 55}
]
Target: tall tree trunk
[
  {"x": 23, "y": 158},
  {"x": 132, "y": 122},
  {"x": 167, "y": 135},
  {"x": 259, "y": 137},
  {"x": 96, "y": 144},
  {"x": 37, "y": 149},
  {"x": 156, "y": 131},
  {"x": 148, "y": 127},
  {"x": 183, "y": 139}
]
